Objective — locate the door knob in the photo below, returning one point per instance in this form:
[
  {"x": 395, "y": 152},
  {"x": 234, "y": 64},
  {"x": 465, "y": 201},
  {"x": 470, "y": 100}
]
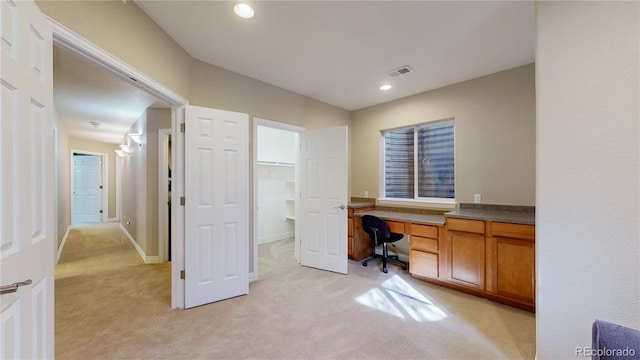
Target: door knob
[{"x": 341, "y": 207}]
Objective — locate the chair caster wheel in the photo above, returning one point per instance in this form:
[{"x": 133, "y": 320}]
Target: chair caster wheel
[
  {"x": 364, "y": 264},
  {"x": 404, "y": 268},
  {"x": 385, "y": 271}
]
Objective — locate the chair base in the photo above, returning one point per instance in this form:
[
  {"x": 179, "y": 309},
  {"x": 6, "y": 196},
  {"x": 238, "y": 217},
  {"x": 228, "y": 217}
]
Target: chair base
[{"x": 385, "y": 257}]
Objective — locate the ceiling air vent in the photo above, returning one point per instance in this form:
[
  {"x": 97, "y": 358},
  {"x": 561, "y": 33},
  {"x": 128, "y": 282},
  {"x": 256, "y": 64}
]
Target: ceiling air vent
[{"x": 400, "y": 71}]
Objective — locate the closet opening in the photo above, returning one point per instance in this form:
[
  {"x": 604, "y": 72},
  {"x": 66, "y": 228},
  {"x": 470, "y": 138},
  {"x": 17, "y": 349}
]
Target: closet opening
[{"x": 276, "y": 195}]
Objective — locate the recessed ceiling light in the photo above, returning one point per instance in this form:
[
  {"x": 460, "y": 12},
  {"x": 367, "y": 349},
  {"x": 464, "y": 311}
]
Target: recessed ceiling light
[
  {"x": 385, "y": 87},
  {"x": 244, "y": 11}
]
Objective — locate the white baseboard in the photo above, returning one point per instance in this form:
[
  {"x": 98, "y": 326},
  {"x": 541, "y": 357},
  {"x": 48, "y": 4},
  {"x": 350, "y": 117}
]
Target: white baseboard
[
  {"x": 252, "y": 277},
  {"x": 113, "y": 220},
  {"x": 276, "y": 237},
  {"x": 153, "y": 260},
  {"x": 147, "y": 259},
  {"x": 143, "y": 256},
  {"x": 64, "y": 241}
]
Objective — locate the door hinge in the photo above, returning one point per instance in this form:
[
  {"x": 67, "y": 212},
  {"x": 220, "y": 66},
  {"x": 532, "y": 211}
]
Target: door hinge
[
  {"x": 182, "y": 200},
  {"x": 182, "y": 126},
  {"x": 182, "y": 274}
]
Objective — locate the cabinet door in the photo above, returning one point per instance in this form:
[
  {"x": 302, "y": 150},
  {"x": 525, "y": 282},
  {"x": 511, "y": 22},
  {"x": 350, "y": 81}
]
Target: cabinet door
[
  {"x": 514, "y": 268},
  {"x": 466, "y": 259}
]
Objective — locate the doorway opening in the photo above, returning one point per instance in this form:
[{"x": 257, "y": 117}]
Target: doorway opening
[
  {"x": 90, "y": 194},
  {"x": 276, "y": 190},
  {"x": 164, "y": 194},
  {"x": 68, "y": 40}
]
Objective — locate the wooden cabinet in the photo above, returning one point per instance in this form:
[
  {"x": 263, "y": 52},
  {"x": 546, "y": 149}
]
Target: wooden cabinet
[
  {"x": 492, "y": 259},
  {"x": 511, "y": 262},
  {"x": 424, "y": 255},
  {"x": 359, "y": 248},
  {"x": 466, "y": 252}
]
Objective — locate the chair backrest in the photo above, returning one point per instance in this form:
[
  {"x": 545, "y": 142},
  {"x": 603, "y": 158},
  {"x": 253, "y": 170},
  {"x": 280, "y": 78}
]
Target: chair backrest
[{"x": 370, "y": 222}]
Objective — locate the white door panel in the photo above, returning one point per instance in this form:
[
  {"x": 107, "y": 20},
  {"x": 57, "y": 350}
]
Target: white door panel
[
  {"x": 217, "y": 207},
  {"x": 323, "y": 199},
  {"x": 87, "y": 195},
  {"x": 26, "y": 182}
]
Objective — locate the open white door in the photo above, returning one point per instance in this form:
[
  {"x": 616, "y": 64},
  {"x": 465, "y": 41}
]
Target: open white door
[
  {"x": 323, "y": 187},
  {"x": 26, "y": 183},
  {"x": 216, "y": 205}
]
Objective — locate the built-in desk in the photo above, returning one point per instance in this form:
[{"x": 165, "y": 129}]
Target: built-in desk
[
  {"x": 424, "y": 230},
  {"x": 485, "y": 250}
]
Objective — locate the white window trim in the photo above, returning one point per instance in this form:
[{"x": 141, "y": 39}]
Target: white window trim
[{"x": 420, "y": 202}]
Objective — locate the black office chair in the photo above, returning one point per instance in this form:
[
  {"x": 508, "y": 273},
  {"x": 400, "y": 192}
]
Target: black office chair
[{"x": 379, "y": 232}]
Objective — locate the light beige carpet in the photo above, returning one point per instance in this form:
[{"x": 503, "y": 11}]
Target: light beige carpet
[{"x": 110, "y": 305}]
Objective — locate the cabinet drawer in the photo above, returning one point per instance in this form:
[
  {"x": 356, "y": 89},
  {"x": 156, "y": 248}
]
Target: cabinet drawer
[
  {"x": 472, "y": 226},
  {"x": 396, "y": 226},
  {"x": 516, "y": 231},
  {"x": 424, "y": 244},
  {"x": 424, "y": 230},
  {"x": 423, "y": 263}
]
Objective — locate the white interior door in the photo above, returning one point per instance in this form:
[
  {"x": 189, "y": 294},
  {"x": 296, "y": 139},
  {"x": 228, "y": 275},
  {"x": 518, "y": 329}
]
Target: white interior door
[
  {"x": 87, "y": 193},
  {"x": 216, "y": 205},
  {"x": 26, "y": 182},
  {"x": 323, "y": 187}
]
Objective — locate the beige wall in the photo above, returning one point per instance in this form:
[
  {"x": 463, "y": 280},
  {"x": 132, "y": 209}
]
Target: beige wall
[
  {"x": 214, "y": 87},
  {"x": 123, "y": 30},
  {"x": 156, "y": 119},
  {"x": 140, "y": 181},
  {"x": 494, "y": 134},
  {"x": 63, "y": 180},
  {"x": 90, "y": 146},
  {"x": 588, "y": 171},
  {"x": 134, "y": 183}
]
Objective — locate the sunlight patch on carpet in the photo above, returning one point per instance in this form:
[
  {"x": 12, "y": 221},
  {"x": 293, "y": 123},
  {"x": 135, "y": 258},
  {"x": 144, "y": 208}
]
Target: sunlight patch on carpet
[{"x": 399, "y": 295}]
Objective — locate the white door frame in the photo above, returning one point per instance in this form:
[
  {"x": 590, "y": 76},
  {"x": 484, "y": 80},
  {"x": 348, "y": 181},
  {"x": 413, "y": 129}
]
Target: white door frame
[
  {"x": 73, "y": 42},
  {"x": 163, "y": 193},
  {"x": 104, "y": 174},
  {"x": 276, "y": 125}
]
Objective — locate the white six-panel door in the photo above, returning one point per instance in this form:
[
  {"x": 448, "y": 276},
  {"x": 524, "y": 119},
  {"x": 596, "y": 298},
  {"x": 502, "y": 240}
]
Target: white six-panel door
[
  {"x": 87, "y": 195},
  {"x": 323, "y": 187},
  {"x": 26, "y": 182},
  {"x": 216, "y": 205}
]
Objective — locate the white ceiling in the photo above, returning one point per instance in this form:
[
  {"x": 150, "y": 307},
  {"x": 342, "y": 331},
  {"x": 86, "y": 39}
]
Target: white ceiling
[
  {"x": 339, "y": 52},
  {"x": 84, "y": 92}
]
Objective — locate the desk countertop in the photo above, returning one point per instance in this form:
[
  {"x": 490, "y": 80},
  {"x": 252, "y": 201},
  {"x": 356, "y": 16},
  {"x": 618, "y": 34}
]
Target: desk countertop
[
  {"x": 499, "y": 213},
  {"x": 436, "y": 220}
]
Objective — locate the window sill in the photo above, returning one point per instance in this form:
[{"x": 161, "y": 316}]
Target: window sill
[{"x": 444, "y": 204}]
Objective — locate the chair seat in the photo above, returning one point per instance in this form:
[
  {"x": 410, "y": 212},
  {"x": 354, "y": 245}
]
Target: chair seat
[{"x": 393, "y": 237}]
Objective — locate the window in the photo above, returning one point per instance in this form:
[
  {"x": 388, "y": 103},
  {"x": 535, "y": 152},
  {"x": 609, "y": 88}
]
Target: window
[{"x": 427, "y": 147}]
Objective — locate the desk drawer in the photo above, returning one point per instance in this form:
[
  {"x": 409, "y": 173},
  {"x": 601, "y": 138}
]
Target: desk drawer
[
  {"x": 423, "y": 264},
  {"x": 424, "y": 230},
  {"x": 396, "y": 226},
  {"x": 472, "y": 226},
  {"x": 424, "y": 244}
]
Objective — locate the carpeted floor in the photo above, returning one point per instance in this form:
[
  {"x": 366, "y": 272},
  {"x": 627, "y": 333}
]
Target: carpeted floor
[{"x": 110, "y": 305}]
